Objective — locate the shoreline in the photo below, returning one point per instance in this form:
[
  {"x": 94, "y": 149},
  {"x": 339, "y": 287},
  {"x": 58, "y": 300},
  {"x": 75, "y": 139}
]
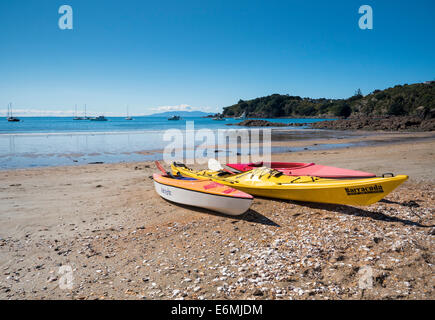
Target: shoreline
[
  {"x": 123, "y": 241},
  {"x": 283, "y": 140}
]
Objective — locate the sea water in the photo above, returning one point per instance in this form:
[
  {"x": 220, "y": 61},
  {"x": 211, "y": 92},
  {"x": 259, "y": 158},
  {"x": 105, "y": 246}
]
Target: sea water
[{"x": 49, "y": 141}]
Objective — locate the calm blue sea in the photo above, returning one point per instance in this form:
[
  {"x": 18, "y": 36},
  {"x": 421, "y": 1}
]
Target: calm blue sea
[
  {"x": 118, "y": 124},
  {"x": 51, "y": 141}
]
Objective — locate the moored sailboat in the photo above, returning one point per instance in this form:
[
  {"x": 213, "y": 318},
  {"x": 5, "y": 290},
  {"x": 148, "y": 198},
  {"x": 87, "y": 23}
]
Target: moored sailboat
[
  {"x": 128, "y": 117},
  {"x": 75, "y": 115},
  {"x": 10, "y": 117}
]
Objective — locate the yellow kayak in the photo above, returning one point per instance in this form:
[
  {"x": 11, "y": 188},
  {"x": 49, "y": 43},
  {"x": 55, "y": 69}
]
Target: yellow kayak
[{"x": 266, "y": 182}]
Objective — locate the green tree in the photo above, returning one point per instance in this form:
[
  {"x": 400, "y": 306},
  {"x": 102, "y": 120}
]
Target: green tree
[
  {"x": 230, "y": 112},
  {"x": 343, "y": 110},
  {"x": 396, "y": 109},
  {"x": 307, "y": 111}
]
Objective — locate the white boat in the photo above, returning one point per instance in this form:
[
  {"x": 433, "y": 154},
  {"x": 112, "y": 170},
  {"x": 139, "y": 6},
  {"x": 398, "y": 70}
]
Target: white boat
[
  {"x": 75, "y": 115},
  {"x": 174, "y": 118},
  {"x": 202, "y": 193},
  {"x": 128, "y": 117},
  {"x": 99, "y": 118},
  {"x": 86, "y": 117}
]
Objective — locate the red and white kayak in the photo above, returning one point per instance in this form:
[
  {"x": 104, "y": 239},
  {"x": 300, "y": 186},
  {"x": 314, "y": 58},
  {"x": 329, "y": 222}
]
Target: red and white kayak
[
  {"x": 304, "y": 169},
  {"x": 202, "y": 193}
]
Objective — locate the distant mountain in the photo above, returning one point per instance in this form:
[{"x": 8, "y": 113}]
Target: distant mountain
[
  {"x": 400, "y": 100},
  {"x": 186, "y": 114}
]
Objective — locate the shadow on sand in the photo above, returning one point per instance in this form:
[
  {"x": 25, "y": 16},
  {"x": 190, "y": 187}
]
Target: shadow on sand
[
  {"x": 355, "y": 211},
  {"x": 251, "y": 215},
  {"x": 409, "y": 204}
]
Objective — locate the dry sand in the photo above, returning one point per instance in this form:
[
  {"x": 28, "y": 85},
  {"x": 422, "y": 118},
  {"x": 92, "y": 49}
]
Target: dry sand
[{"x": 123, "y": 241}]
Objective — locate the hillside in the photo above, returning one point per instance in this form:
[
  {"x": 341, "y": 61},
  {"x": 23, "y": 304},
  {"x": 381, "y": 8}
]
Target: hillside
[{"x": 400, "y": 100}]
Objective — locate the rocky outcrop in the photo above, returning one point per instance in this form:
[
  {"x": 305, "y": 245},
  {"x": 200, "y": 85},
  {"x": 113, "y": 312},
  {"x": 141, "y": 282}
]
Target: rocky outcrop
[
  {"x": 425, "y": 112},
  {"x": 259, "y": 123},
  {"x": 417, "y": 123}
]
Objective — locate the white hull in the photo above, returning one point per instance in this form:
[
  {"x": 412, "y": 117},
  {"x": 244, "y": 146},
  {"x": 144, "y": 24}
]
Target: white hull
[{"x": 225, "y": 204}]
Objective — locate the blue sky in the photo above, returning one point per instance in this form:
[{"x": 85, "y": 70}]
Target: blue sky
[{"x": 205, "y": 55}]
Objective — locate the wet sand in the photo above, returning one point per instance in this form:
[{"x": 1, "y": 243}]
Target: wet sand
[{"x": 122, "y": 241}]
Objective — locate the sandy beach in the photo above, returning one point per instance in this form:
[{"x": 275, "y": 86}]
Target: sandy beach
[{"x": 122, "y": 241}]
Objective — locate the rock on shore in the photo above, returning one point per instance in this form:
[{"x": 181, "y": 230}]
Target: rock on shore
[
  {"x": 385, "y": 123},
  {"x": 259, "y": 123}
]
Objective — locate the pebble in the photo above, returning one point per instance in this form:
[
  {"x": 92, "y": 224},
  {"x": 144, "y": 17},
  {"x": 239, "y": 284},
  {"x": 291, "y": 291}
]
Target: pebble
[{"x": 175, "y": 292}]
